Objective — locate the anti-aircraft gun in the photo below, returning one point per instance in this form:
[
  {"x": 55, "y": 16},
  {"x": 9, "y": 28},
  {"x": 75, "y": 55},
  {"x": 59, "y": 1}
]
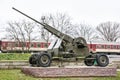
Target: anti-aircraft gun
[{"x": 65, "y": 48}]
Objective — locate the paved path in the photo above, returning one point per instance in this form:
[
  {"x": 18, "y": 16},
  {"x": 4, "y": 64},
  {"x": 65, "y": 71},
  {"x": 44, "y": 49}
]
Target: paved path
[
  {"x": 118, "y": 69},
  {"x": 114, "y": 58}
]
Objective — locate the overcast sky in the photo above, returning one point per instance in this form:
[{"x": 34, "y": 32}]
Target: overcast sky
[{"x": 91, "y": 12}]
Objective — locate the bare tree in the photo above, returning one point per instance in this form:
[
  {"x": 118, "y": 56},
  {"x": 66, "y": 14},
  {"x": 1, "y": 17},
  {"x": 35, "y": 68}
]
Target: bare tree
[
  {"x": 84, "y": 30},
  {"x": 29, "y": 31},
  {"x": 109, "y": 31},
  {"x": 20, "y": 32},
  {"x": 15, "y": 32},
  {"x": 61, "y": 22}
]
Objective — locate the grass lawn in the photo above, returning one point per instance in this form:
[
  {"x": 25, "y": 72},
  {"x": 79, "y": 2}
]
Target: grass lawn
[
  {"x": 14, "y": 56},
  {"x": 18, "y": 75},
  {"x": 19, "y": 56}
]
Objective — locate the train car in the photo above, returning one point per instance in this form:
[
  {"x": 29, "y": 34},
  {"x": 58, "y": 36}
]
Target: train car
[
  {"x": 104, "y": 47},
  {"x": 14, "y": 46},
  {"x": 38, "y": 46}
]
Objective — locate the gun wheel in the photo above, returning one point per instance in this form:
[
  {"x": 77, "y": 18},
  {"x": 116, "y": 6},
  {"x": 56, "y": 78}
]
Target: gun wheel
[
  {"x": 102, "y": 60},
  {"x": 89, "y": 60},
  {"x": 44, "y": 60},
  {"x": 33, "y": 59}
]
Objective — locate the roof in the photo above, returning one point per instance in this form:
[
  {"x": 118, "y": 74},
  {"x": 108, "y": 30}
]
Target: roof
[{"x": 103, "y": 42}]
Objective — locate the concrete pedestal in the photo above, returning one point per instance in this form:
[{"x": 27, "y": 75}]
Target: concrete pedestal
[{"x": 69, "y": 71}]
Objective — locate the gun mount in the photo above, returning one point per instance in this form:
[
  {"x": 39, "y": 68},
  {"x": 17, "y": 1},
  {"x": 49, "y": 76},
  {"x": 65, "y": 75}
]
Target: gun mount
[{"x": 65, "y": 47}]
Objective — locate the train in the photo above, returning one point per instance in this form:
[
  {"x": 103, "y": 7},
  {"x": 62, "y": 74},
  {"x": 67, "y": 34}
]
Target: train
[
  {"x": 103, "y": 47},
  {"x": 7, "y": 46}
]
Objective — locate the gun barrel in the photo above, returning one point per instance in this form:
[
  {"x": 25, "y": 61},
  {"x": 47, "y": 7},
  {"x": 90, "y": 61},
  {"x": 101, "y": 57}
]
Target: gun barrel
[
  {"x": 58, "y": 33},
  {"x": 49, "y": 28},
  {"x": 27, "y": 16}
]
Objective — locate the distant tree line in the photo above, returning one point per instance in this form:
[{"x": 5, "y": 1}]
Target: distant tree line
[{"x": 22, "y": 31}]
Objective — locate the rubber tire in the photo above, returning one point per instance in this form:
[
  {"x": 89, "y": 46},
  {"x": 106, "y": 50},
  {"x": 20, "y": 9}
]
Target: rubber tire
[
  {"x": 89, "y": 62},
  {"x": 40, "y": 63},
  {"x": 102, "y": 64},
  {"x": 33, "y": 59}
]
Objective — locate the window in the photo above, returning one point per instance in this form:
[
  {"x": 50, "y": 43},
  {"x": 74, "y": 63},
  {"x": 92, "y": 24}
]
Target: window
[
  {"x": 114, "y": 47},
  {"x": 24, "y": 44},
  {"x": 32, "y": 44},
  {"x": 4, "y": 44},
  {"x": 118, "y": 46},
  {"x": 38, "y": 45},
  {"x": 16, "y": 44},
  {"x": 108, "y": 46},
  {"x": 100, "y": 46},
  {"x": 45, "y": 45},
  {"x": 9, "y": 44}
]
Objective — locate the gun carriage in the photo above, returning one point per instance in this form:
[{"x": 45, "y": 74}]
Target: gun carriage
[{"x": 65, "y": 47}]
